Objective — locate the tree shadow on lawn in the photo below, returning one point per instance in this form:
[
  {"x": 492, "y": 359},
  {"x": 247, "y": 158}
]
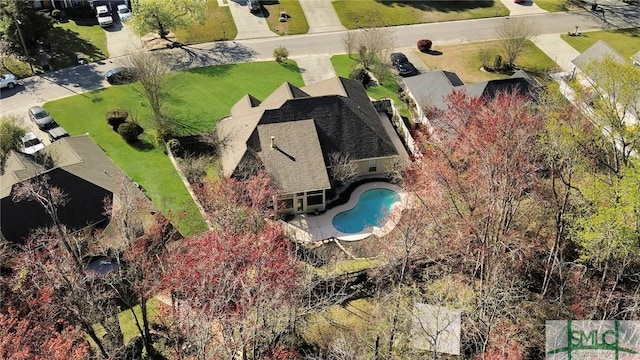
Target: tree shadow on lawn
[
  {"x": 66, "y": 44},
  {"x": 142, "y": 144},
  {"x": 443, "y": 6},
  {"x": 224, "y": 52}
]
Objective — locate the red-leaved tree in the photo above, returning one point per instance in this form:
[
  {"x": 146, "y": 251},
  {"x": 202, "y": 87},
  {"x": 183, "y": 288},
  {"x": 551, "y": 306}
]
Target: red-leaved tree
[{"x": 233, "y": 293}]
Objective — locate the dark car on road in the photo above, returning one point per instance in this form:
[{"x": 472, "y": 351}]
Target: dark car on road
[
  {"x": 41, "y": 118},
  {"x": 120, "y": 75}
]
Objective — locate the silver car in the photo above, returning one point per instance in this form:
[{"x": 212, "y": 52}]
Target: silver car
[{"x": 41, "y": 118}]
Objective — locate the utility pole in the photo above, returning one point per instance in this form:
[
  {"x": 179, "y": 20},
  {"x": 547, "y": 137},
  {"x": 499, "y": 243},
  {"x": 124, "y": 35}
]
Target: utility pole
[{"x": 24, "y": 46}]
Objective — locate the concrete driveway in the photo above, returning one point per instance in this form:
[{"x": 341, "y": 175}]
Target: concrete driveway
[
  {"x": 321, "y": 16},
  {"x": 250, "y": 25},
  {"x": 121, "y": 40}
]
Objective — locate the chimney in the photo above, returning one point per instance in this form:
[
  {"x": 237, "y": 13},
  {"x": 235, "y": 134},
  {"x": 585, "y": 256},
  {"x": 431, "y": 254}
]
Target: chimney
[{"x": 273, "y": 142}]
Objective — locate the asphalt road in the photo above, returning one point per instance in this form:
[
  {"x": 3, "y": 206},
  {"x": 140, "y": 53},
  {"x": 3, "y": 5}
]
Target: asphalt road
[{"x": 50, "y": 86}]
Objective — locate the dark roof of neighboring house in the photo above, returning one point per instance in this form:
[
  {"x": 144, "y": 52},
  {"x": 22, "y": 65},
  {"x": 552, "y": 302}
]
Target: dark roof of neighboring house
[
  {"x": 597, "y": 51},
  {"x": 77, "y": 166},
  {"x": 344, "y": 120},
  {"x": 432, "y": 88}
]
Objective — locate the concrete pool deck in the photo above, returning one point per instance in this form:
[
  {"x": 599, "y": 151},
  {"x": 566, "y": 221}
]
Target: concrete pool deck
[{"x": 312, "y": 228}]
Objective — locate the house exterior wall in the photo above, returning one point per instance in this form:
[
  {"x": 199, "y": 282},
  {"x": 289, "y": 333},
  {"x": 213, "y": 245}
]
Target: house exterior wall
[
  {"x": 382, "y": 165},
  {"x": 422, "y": 118}
]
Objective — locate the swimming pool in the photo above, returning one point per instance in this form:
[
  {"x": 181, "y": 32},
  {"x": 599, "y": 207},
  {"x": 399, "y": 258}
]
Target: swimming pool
[{"x": 372, "y": 208}]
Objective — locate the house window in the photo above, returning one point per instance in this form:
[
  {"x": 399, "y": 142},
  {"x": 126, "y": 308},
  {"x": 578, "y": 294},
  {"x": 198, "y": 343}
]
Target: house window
[
  {"x": 287, "y": 204},
  {"x": 373, "y": 165},
  {"x": 314, "y": 200}
]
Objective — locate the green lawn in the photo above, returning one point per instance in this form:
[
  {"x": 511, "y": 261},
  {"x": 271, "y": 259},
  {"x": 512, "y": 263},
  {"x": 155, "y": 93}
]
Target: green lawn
[
  {"x": 624, "y": 41},
  {"x": 127, "y": 322},
  {"x": 555, "y": 5},
  {"x": 463, "y": 59},
  {"x": 296, "y": 23},
  {"x": 374, "y": 13},
  {"x": 69, "y": 39},
  {"x": 218, "y": 26},
  {"x": 388, "y": 88},
  {"x": 197, "y": 98}
]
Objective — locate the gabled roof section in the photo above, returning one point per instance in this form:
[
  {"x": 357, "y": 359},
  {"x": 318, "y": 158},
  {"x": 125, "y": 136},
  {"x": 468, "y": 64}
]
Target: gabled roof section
[
  {"x": 597, "y": 51},
  {"x": 346, "y": 124},
  {"x": 431, "y": 88},
  {"x": 295, "y": 163},
  {"x": 333, "y": 86},
  {"x": 246, "y": 105},
  {"x": 78, "y": 155},
  {"x": 285, "y": 92}
]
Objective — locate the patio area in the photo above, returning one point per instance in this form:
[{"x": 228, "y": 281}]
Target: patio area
[{"x": 312, "y": 228}]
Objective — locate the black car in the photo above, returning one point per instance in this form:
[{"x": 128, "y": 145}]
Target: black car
[
  {"x": 406, "y": 69},
  {"x": 120, "y": 75},
  {"x": 254, "y": 5},
  {"x": 398, "y": 58}
]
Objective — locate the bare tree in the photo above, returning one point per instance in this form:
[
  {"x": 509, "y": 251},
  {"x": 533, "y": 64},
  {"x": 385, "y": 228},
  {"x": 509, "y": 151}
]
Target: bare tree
[
  {"x": 342, "y": 168},
  {"x": 150, "y": 69},
  {"x": 349, "y": 41},
  {"x": 515, "y": 35},
  {"x": 373, "y": 45}
]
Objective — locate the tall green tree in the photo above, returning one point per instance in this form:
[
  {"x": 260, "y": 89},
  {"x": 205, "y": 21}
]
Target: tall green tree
[
  {"x": 161, "y": 16},
  {"x": 10, "y": 134},
  {"x": 34, "y": 25}
]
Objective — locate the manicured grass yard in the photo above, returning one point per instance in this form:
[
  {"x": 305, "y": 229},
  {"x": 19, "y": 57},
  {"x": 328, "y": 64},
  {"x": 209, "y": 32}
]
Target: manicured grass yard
[
  {"x": 388, "y": 89},
  {"x": 197, "y": 98},
  {"x": 374, "y": 13},
  {"x": 624, "y": 41},
  {"x": 218, "y": 26},
  {"x": 69, "y": 39},
  {"x": 556, "y": 5},
  {"x": 296, "y": 23},
  {"x": 463, "y": 60}
]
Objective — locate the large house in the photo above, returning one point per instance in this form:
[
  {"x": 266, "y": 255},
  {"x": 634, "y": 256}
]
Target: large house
[
  {"x": 77, "y": 166},
  {"x": 430, "y": 90},
  {"x": 296, "y": 132}
]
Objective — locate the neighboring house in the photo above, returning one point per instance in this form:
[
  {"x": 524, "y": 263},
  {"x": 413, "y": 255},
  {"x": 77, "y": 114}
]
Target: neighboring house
[
  {"x": 294, "y": 133},
  {"x": 596, "y": 51},
  {"x": 77, "y": 166},
  {"x": 430, "y": 90}
]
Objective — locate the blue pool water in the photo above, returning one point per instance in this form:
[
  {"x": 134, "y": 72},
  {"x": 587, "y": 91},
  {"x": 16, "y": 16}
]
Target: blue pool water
[{"x": 373, "y": 206}]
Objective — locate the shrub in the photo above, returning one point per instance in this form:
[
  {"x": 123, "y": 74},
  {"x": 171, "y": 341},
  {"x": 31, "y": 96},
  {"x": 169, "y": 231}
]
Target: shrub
[
  {"x": 281, "y": 54},
  {"x": 358, "y": 72},
  {"x": 174, "y": 146},
  {"x": 485, "y": 58},
  {"x": 116, "y": 117},
  {"x": 424, "y": 45},
  {"x": 497, "y": 62},
  {"x": 130, "y": 131}
]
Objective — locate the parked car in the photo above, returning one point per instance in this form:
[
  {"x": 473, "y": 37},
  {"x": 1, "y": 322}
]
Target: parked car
[
  {"x": 254, "y": 5},
  {"x": 30, "y": 143},
  {"x": 123, "y": 12},
  {"x": 120, "y": 75},
  {"x": 8, "y": 81},
  {"x": 57, "y": 133},
  {"x": 41, "y": 118},
  {"x": 104, "y": 16},
  {"x": 406, "y": 69},
  {"x": 398, "y": 58}
]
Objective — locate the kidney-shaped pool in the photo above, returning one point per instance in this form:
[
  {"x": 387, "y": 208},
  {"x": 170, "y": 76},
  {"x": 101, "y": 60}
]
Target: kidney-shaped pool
[{"x": 372, "y": 208}]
